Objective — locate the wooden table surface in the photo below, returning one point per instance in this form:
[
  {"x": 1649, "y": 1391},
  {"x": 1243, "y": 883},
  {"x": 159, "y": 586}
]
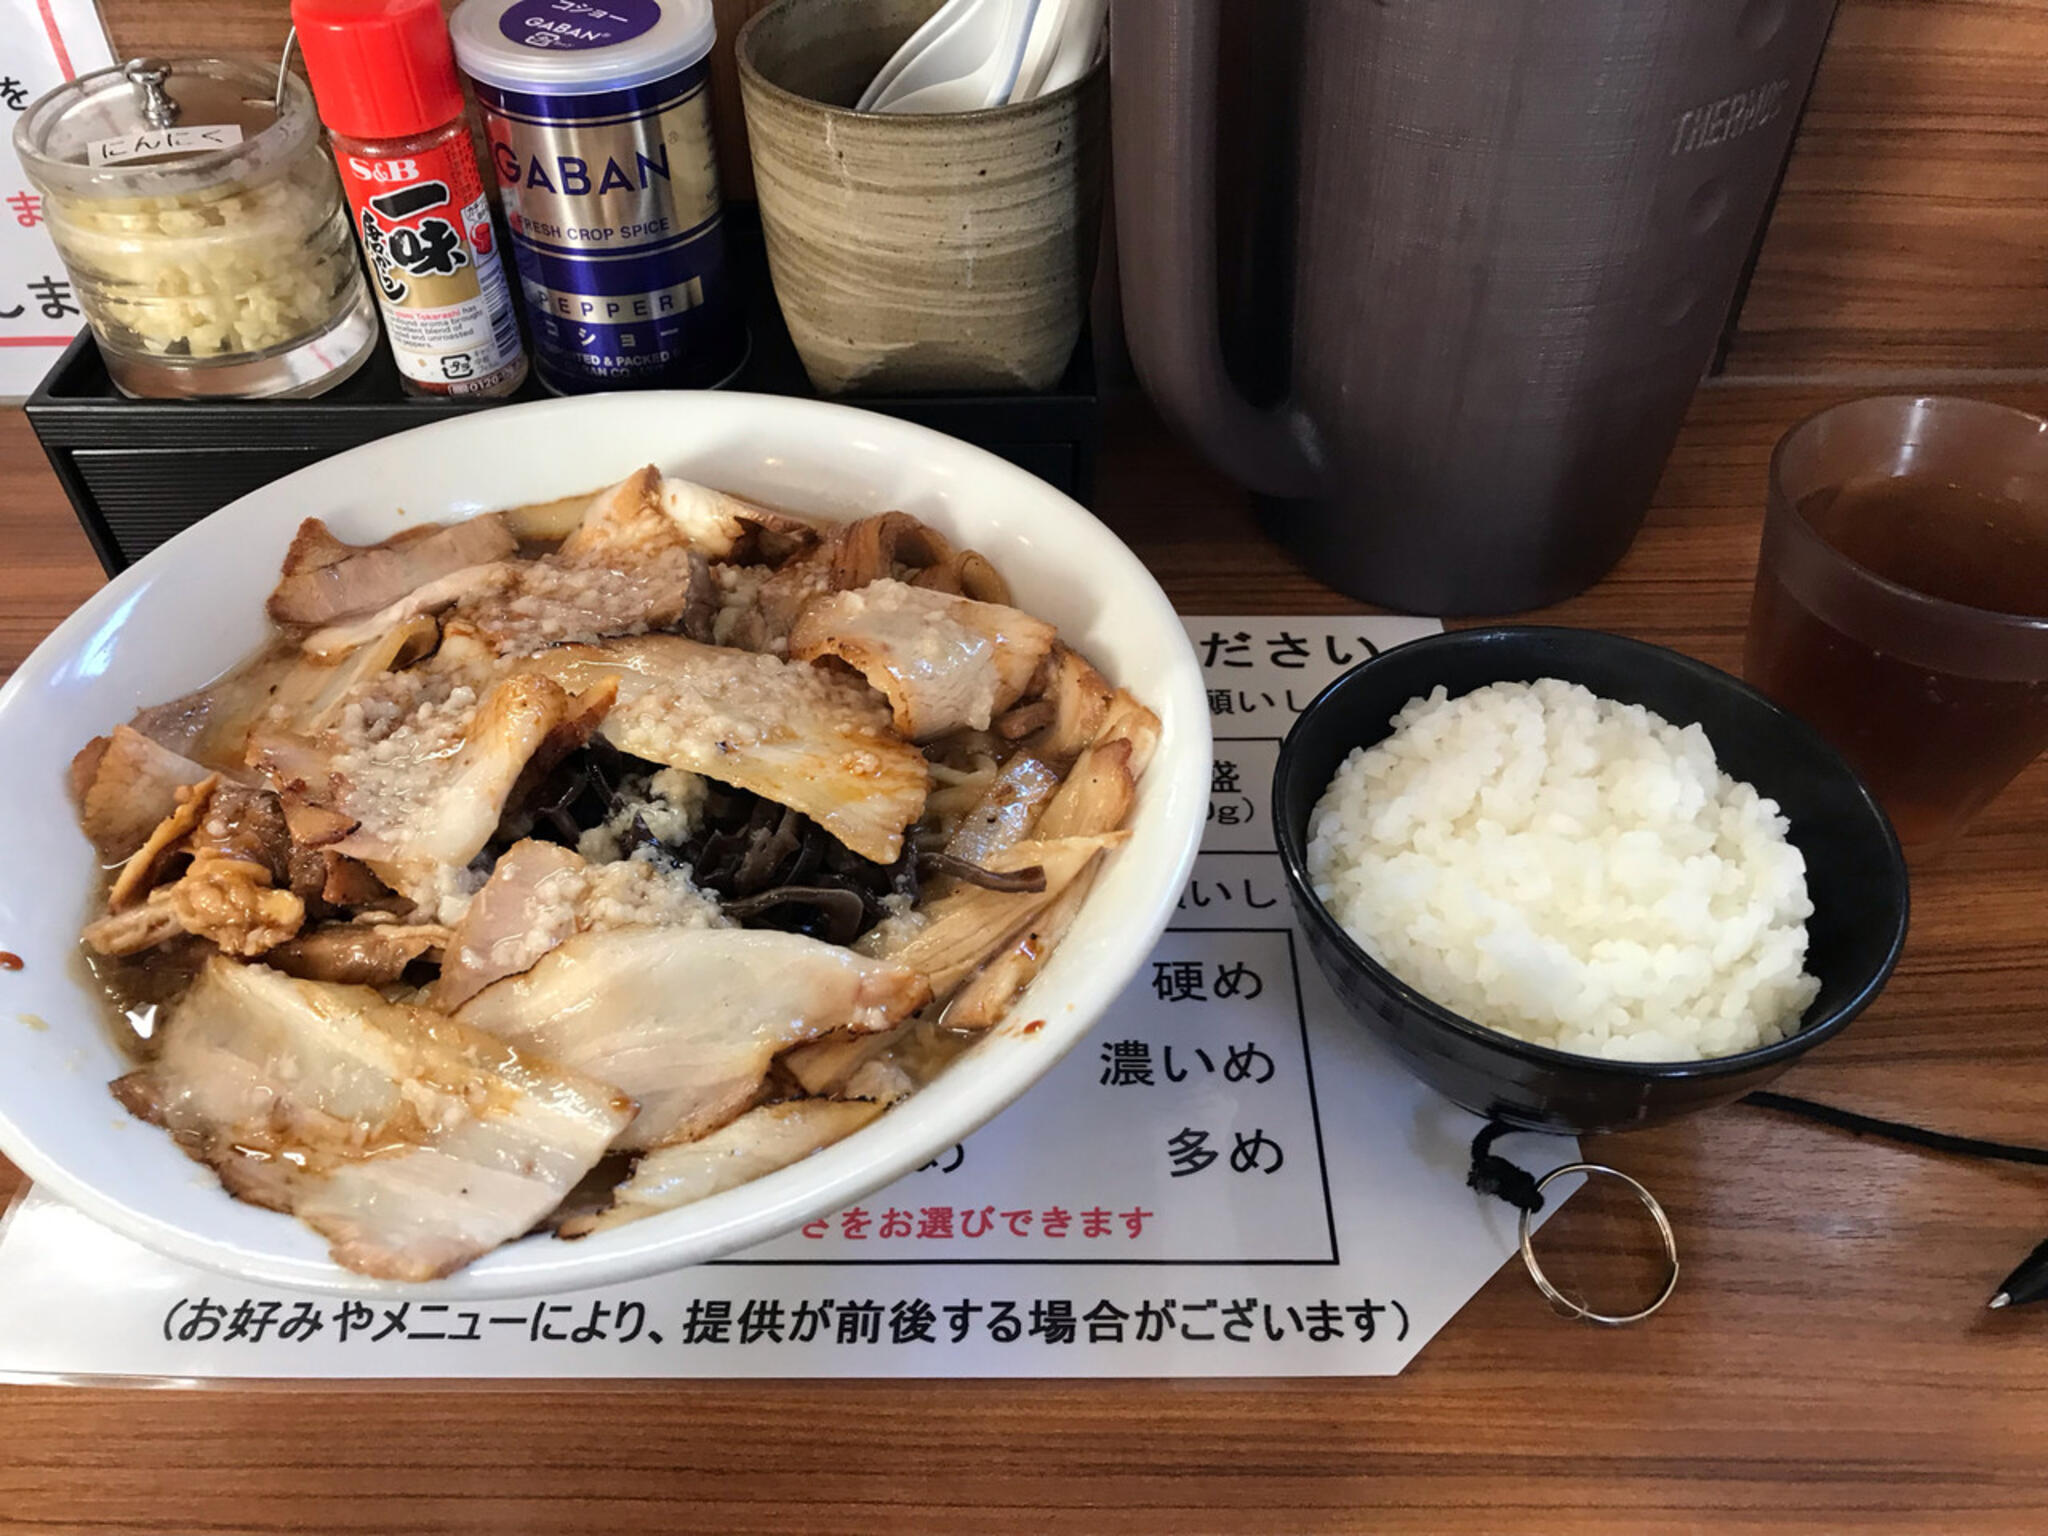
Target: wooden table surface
[{"x": 1827, "y": 1363}]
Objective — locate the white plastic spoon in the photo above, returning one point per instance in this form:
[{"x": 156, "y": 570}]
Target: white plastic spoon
[
  {"x": 944, "y": 20},
  {"x": 973, "y": 66},
  {"x": 1081, "y": 44},
  {"x": 1048, "y": 28}
]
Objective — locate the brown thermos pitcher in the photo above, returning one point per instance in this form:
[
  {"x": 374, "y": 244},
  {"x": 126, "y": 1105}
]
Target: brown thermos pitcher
[{"x": 1518, "y": 227}]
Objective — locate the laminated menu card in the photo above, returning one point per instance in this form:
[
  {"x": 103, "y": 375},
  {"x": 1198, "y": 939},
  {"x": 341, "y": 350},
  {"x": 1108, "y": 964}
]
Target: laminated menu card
[{"x": 43, "y": 43}]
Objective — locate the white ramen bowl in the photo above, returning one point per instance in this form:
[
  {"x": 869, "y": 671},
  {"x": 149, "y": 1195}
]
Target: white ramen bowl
[{"x": 194, "y": 607}]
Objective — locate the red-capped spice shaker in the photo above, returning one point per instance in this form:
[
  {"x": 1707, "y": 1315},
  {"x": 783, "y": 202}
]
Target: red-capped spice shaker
[{"x": 384, "y": 80}]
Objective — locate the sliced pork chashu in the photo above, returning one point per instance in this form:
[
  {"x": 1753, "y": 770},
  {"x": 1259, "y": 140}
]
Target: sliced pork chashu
[
  {"x": 471, "y": 584},
  {"x": 516, "y": 607},
  {"x": 945, "y": 663},
  {"x": 412, "y": 1143},
  {"x": 757, "y": 1143},
  {"x": 326, "y": 580},
  {"x": 424, "y": 765},
  {"x": 687, "y": 1021},
  {"x": 629, "y": 565},
  {"x": 524, "y": 910},
  {"x": 632, "y": 561},
  {"x": 622, "y": 520},
  {"x": 125, "y": 785},
  {"x": 818, "y": 559},
  {"x": 541, "y": 893},
  {"x": 644, "y": 514},
  {"x": 433, "y": 788},
  {"x": 554, "y": 601},
  {"x": 816, "y": 741}
]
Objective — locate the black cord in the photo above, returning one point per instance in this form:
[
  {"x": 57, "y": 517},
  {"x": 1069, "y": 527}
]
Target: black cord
[
  {"x": 1897, "y": 1130},
  {"x": 1492, "y": 1174}
]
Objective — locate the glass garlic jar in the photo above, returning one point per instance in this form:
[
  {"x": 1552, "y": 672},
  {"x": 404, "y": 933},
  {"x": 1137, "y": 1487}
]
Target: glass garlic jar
[{"x": 203, "y": 227}]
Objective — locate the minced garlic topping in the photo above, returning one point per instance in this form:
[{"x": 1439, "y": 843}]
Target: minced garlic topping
[
  {"x": 388, "y": 734},
  {"x": 641, "y": 892},
  {"x": 739, "y": 598},
  {"x": 670, "y": 804}
]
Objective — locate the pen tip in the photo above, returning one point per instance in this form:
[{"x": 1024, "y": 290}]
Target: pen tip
[{"x": 2000, "y": 1300}]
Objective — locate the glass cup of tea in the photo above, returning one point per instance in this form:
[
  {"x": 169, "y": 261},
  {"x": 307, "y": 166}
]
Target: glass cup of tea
[{"x": 1901, "y": 599}]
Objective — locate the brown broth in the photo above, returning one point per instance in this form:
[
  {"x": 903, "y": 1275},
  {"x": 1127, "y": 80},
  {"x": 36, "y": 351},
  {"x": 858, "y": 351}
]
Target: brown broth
[
  {"x": 926, "y": 1050},
  {"x": 139, "y": 987}
]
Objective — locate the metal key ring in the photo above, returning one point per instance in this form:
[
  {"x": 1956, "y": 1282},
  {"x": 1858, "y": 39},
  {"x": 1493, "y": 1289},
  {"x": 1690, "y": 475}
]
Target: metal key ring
[{"x": 1564, "y": 1303}]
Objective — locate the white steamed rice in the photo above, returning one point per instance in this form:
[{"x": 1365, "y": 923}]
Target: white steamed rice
[{"x": 1569, "y": 870}]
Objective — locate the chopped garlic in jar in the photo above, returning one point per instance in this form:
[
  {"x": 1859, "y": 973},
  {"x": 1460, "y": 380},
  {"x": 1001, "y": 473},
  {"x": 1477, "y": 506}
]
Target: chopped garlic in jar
[
  {"x": 203, "y": 226},
  {"x": 228, "y": 269}
]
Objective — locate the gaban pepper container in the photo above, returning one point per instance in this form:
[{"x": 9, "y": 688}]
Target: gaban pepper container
[{"x": 599, "y": 121}]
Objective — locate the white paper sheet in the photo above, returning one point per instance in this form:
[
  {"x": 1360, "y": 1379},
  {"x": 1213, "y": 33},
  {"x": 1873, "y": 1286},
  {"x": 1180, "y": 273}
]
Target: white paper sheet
[
  {"x": 42, "y": 44},
  {"x": 1228, "y": 1179}
]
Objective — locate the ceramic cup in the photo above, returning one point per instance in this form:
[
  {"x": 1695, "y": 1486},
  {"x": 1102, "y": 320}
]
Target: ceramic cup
[{"x": 917, "y": 253}]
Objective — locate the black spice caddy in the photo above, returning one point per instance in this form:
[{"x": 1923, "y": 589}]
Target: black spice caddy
[{"x": 140, "y": 471}]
